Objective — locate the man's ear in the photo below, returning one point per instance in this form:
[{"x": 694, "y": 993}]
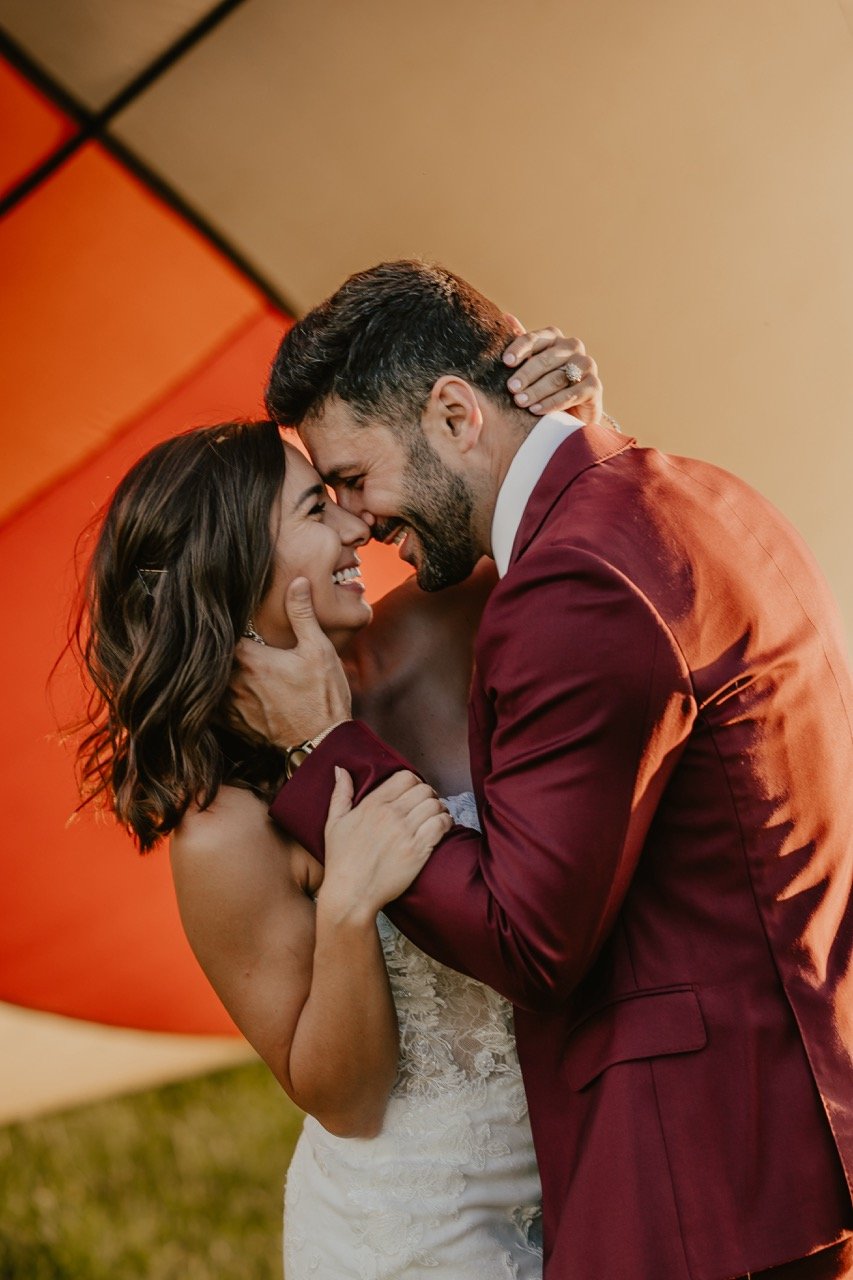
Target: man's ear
[
  {"x": 452, "y": 419},
  {"x": 515, "y": 324}
]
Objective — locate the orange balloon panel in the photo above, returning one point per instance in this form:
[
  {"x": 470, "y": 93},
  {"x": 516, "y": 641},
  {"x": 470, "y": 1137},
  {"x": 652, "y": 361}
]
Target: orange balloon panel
[
  {"x": 90, "y": 928},
  {"x": 32, "y": 127},
  {"x": 109, "y": 300}
]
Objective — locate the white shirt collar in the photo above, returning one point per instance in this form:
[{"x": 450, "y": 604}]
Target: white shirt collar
[{"x": 521, "y": 479}]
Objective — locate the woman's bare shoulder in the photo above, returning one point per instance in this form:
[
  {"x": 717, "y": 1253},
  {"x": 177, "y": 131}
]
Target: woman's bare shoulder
[
  {"x": 235, "y": 814},
  {"x": 237, "y": 878},
  {"x": 234, "y": 844}
]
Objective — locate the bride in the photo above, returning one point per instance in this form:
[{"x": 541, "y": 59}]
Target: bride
[{"x": 416, "y": 1155}]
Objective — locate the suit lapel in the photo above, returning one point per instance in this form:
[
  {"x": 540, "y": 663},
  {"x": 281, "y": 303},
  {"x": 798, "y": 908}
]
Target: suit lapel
[{"x": 584, "y": 448}]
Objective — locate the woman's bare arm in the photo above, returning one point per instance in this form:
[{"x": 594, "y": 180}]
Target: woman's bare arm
[{"x": 306, "y": 983}]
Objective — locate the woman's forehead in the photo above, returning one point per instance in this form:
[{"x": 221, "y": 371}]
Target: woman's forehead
[{"x": 298, "y": 468}]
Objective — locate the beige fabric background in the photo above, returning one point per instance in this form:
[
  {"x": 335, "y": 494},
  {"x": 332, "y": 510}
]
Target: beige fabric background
[
  {"x": 673, "y": 181},
  {"x": 47, "y": 1062}
]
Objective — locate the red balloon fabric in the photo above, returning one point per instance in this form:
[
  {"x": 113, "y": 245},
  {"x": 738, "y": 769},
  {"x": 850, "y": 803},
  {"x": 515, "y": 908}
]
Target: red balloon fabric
[
  {"x": 33, "y": 128},
  {"x": 123, "y": 325}
]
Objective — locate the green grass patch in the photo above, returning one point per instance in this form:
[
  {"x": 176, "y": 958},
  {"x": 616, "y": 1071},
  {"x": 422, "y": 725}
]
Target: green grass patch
[{"x": 183, "y": 1182}]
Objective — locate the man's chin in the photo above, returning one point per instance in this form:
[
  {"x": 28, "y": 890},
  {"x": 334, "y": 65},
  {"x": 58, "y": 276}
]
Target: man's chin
[
  {"x": 427, "y": 582},
  {"x": 430, "y": 577}
]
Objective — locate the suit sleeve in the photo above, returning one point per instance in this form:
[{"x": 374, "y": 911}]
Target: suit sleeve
[{"x": 587, "y": 705}]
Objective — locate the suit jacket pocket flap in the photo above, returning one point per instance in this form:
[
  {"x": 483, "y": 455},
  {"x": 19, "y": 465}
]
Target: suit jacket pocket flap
[{"x": 646, "y": 1024}]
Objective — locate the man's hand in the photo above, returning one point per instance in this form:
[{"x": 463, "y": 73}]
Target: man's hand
[{"x": 289, "y": 696}]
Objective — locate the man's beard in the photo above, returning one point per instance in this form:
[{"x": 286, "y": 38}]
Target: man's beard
[{"x": 438, "y": 505}]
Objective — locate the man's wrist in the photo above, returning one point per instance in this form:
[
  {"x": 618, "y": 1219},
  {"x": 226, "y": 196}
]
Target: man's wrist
[{"x": 296, "y": 755}]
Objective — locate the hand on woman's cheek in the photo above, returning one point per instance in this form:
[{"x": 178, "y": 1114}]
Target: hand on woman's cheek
[{"x": 313, "y": 539}]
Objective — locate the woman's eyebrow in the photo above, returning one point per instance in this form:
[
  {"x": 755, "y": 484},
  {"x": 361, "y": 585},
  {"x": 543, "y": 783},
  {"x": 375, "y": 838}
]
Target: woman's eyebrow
[{"x": 316, "y": 491}]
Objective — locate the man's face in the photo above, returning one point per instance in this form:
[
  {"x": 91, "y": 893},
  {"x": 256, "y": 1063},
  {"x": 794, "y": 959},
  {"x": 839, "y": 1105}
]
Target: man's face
[{"x": 401, "y": 488}]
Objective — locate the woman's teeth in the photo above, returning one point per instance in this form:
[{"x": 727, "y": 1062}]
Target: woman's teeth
[
  {"x": 399, "y": 535},
  {"x": 346, "y": 575}
]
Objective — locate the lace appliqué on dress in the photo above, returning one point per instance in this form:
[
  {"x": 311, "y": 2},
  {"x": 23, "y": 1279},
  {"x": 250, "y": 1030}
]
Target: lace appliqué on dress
[{"x": 433, "y": 1194}]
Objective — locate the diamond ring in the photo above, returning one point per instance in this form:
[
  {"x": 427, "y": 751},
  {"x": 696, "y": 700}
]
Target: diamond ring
[{"x": 573, "y": 373}]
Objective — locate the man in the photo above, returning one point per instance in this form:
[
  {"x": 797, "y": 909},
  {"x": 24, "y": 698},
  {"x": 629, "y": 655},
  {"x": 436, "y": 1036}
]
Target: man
[{"x": 661, "y": 752}]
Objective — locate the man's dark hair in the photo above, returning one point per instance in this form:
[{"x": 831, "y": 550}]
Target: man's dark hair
[{"x": 380, "y": 342}]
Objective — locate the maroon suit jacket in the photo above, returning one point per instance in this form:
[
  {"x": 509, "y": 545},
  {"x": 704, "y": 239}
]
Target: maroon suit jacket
[{"x": 661, "y": 750}]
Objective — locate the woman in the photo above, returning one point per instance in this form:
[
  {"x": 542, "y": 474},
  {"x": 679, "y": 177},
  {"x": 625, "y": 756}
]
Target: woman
[{"x": 416, "y": 1153}]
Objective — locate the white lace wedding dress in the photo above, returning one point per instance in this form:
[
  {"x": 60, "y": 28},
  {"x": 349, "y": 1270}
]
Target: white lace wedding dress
[{"x": 449, "y": 1189}]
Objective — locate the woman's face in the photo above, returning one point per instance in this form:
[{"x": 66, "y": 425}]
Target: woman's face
[{"x": 314, "y": 539}]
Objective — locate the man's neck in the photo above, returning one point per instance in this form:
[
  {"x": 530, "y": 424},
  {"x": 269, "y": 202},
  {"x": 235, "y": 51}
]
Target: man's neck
[
  {"x": 508, "y": 429},
  {"x": 521, "y": 477}
]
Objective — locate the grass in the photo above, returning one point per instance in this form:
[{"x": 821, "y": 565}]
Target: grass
[{"x": 179, "y": 1183}]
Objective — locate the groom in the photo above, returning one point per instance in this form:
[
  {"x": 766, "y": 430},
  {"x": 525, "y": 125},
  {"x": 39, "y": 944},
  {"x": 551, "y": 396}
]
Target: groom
[{"x": 661, "y": 750}]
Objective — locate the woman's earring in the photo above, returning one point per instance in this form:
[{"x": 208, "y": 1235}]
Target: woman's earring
[{"x": 251, "y": 634}]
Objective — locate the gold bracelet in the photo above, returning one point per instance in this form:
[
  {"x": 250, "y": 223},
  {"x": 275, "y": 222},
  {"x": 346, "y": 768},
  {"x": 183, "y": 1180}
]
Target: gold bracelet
[{"x": 295, "y": 756}]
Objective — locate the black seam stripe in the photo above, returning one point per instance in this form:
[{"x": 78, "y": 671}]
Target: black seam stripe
[{"x": 92, "y": 126}]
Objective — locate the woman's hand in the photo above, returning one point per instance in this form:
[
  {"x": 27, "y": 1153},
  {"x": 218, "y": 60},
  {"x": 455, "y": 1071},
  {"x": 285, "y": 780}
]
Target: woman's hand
[
  {"x": 540, "y": 382},
  {"x": 375, "y": 850}
]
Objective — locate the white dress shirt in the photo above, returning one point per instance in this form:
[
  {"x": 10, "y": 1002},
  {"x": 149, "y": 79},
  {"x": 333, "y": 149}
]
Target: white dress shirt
[{"x": 519, "y": 482}]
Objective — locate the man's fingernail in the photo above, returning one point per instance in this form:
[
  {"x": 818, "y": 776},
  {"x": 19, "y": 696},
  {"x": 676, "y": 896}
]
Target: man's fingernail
[
  {"x": 536, "y": 408},
  {"x": 514, "y": 384},
  {"x": 509, "y": 357},
  {"x": 523, "y": 398}
]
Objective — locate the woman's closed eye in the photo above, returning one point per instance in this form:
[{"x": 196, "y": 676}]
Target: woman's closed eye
[{"x": 318, "y": 509}]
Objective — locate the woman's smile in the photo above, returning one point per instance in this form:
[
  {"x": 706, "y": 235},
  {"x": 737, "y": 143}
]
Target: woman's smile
[
  {"x": 349, "y": 577},
  {"x": 316, "y": 539}
]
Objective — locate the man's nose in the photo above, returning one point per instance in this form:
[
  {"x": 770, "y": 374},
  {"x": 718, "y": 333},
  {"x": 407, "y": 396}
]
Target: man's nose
[
  {"x": 352, "y": 530},
  {"x": 350, "y": 501}
]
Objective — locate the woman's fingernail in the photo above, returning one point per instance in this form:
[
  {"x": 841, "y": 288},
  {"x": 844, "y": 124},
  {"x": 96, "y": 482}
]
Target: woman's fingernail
[
  {"x": 509, "y": 358},
  {"x": 522, "y": 399},
  {"x": 514, "y": 384},
  {"x": 536, "y": 408}
]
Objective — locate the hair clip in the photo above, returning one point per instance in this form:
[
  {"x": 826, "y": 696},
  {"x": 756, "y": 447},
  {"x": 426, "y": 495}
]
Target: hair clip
[{"x": 144, "y": 575}]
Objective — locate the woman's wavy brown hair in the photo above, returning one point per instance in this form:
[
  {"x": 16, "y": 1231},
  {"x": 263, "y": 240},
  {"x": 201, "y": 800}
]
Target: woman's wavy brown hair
[{"x": 183, "y": 558}]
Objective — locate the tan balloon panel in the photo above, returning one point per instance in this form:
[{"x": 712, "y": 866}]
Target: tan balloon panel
[
  {"x": 95, "y": 47},
  {"x": 847, "y": 10},
  {"x": 673, "y": 181},
  {"x": 48, "y": 1063}
]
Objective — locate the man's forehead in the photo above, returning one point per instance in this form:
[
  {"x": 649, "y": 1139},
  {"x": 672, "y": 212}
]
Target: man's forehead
[
  {"x": 339, "y": 443},
  {"x": 333, "y": 449}
]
